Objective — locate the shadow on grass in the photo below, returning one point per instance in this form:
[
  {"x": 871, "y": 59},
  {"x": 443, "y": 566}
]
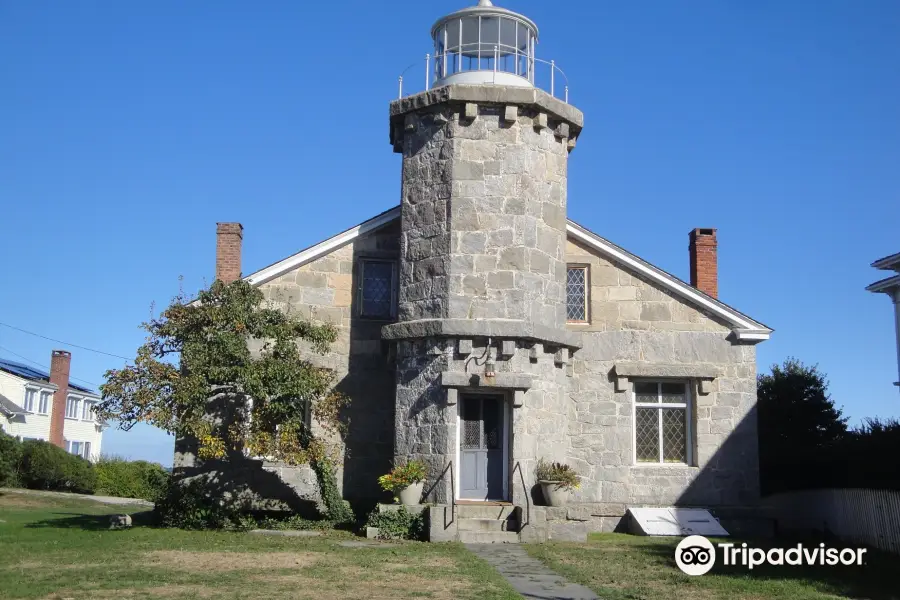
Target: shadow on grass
[
  {"x": 91, "y": 522},
  {"x": 878, "y": 578}
]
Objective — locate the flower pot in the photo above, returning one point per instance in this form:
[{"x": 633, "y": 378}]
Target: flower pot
[
  {"x": 554, "y": 493},
  {"x": 412, "y": 493}
]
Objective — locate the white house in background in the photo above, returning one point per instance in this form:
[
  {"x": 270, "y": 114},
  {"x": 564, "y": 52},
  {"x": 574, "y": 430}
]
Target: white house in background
[
  {"x": 38, "y": 405},
  {"x": 891, "y": 287}
]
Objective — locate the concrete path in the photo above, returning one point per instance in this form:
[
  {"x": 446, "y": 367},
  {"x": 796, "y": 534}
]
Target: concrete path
[
  {"x": 101, "y": 499},
  {"x": 528, "y": 575}
]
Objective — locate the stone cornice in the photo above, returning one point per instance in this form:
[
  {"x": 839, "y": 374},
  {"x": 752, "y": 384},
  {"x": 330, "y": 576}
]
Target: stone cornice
[
  {"x": 566, "y": 120},
  {"x": 475, "y": 328}
]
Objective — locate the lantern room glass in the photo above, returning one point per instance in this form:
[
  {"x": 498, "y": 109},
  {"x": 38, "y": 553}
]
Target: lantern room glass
[{"x": 484, "y": 43}]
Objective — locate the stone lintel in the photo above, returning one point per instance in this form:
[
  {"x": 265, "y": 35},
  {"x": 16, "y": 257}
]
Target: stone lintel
[
  {"x": 463, "y": 94},
  {"x": 627, "y": 370},
  {"x": 508, "y": 329},
  {"x": 509, "y": 381}
]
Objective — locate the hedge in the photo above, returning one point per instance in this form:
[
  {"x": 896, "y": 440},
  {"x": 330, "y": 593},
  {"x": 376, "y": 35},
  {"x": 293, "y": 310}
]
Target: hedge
[{"x": 130, "y": 479}]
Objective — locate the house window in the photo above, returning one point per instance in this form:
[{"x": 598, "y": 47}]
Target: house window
[
  {"x": 28, "y": 404},
  {"x": 44, "y": 403},
  {"x": 377, "y": 299},
  {"x": 577, "y": 293},
  {"x": 71, "y": 408},
  {"x": 86, "y": 451},
  {"x": 87, "y": 413},
  {"x": 662, "y": 420},
  {"x": 76, "y": 448}
]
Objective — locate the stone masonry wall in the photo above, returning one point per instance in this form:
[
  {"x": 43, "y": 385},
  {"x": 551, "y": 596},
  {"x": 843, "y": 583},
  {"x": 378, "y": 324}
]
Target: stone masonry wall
[
  {"x": 426, "y": 425},
  {"x": 325, "y": 291},
  {"x": 484, "y": 216},
  {"x": 634, "y": 320}
]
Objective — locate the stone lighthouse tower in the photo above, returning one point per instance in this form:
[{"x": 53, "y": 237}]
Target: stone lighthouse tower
[{"x": 482, "y": 352}]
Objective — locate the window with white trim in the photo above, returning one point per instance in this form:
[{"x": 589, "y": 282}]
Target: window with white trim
[
  {"x": 87, "y": 412},
  {"x": 28, "y": 403},
  {"x": 72, "y": 407},
  {"x": 76, "y": 448},
  {"x": 662, "y": 422},
  {"x": 377, "y": 289},
  {"x": 577, "y": 296},
  {"x": 44, "y": 403}
]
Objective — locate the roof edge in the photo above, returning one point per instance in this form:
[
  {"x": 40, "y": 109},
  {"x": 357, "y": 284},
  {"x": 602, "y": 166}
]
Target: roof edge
[{"x": 744, "y": 328}]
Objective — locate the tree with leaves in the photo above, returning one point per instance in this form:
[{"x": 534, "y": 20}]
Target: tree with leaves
[
  {"x": 797, "y": 419},
  {"x": 226, "y": 345}
]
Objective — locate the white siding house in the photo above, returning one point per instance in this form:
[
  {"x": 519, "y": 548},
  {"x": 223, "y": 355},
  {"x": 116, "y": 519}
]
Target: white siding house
[{"x": 26, "y": 403}]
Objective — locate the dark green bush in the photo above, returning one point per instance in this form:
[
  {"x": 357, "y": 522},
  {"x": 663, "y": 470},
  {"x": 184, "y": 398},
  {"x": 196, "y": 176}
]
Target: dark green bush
[
  {"x": 189, "y": 505},
  {"x": 44, "y": 466},
  {"x": 131, "y": 479},
  {"x": 397, "y": 524},
  {"x": 10, "y": 455}
]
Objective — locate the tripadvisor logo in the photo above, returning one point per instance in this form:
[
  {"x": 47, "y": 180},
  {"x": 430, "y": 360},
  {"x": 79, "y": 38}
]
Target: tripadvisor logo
[{"x": 696, "y": 555}]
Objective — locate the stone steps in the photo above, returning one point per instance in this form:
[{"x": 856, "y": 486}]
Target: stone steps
[
  {"x": 469, "y": 524},
  {"x": 485, "y": 511},
  {"x": 488, "y": 537}
]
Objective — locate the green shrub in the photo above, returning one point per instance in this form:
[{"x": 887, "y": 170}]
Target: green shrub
[
  {"x": 190, "y": 505},
  {"x": 10, "y": 455},
  {"x": 44, "y": 466},
  {"x": 294, "y": 522},
  {"x": 130, "y": 479},
  {"x": 399, "y": 524}
]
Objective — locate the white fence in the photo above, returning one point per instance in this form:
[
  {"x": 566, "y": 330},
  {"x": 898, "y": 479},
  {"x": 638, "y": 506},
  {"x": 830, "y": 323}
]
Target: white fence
[{"x": 870, "y": 517}]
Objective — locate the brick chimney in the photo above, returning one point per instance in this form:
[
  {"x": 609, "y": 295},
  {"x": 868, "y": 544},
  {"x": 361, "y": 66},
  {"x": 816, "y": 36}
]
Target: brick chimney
[
  {"x": 228, "y": 251},
  {"x": 60, "y": 361},
  {"x": 704, "y": 261}
]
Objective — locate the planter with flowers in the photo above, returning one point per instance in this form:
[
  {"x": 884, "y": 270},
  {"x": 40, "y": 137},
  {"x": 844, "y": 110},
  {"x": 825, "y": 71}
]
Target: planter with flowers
[
  {"x": 405, "y": 482},
  {"x": 557, "y": 480}
]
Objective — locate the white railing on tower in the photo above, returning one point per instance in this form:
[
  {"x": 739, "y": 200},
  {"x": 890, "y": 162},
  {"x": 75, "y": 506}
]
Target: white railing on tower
[{"x": 540, "y": 73}]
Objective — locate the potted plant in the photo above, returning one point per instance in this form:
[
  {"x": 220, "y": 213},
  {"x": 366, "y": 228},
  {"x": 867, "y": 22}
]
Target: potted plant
[
  {"x": 405, "y": 482},
  {"x": 556, "y": 480}
]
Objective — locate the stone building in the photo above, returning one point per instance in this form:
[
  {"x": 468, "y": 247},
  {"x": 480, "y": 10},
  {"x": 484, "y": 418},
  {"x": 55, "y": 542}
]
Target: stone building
[{"x": 481, "y": 330}]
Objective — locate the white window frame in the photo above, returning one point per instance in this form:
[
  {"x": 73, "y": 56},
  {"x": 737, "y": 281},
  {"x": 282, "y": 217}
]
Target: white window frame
[
  {"x": 362, "y": 279},
  {"x": 45, "y": 402},
  {"x": 26, "y": 406},
  {"x": 661, "y": 406},
  {"x": 87, "y": 410},
  {"x": 77, "y": 401}
]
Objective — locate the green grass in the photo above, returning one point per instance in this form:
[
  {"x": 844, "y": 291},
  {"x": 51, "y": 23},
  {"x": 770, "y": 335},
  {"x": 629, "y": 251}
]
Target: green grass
[
  {"x": 624, "y": 567},
  {"x": 59, "y": 548}
]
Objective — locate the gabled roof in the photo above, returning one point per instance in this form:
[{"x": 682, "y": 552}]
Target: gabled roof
[
  {"x": 744, "y": 327},
  {"x": 36, "y": 375}
]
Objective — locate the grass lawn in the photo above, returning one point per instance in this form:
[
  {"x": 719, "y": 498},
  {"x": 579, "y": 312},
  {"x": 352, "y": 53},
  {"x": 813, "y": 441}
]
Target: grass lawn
[
  {"x": 59, "y": 548},
  {"x": 620, "y": 567}
]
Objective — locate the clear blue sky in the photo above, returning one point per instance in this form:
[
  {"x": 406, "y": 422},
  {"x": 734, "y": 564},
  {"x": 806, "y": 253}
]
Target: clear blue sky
[{"x": 127, "y": 129}]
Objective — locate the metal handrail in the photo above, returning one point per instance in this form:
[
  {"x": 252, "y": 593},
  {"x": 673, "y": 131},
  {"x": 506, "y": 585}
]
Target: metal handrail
[
  {"x": 452, "y": 495},
  {"x": 529, "y": 76},
  {"x": 518, "y": 468}
]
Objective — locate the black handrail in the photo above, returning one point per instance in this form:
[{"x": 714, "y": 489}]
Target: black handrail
[
  {"x": 452, "y": 494},
  {"x": 518, "y": 468}
]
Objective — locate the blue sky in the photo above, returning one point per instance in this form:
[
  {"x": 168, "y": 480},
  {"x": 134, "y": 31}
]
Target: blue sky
[{"x": 130, "y": 128}]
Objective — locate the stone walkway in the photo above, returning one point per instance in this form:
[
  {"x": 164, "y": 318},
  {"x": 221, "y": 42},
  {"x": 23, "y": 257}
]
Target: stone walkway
[{"x": 528, "y": 575}]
